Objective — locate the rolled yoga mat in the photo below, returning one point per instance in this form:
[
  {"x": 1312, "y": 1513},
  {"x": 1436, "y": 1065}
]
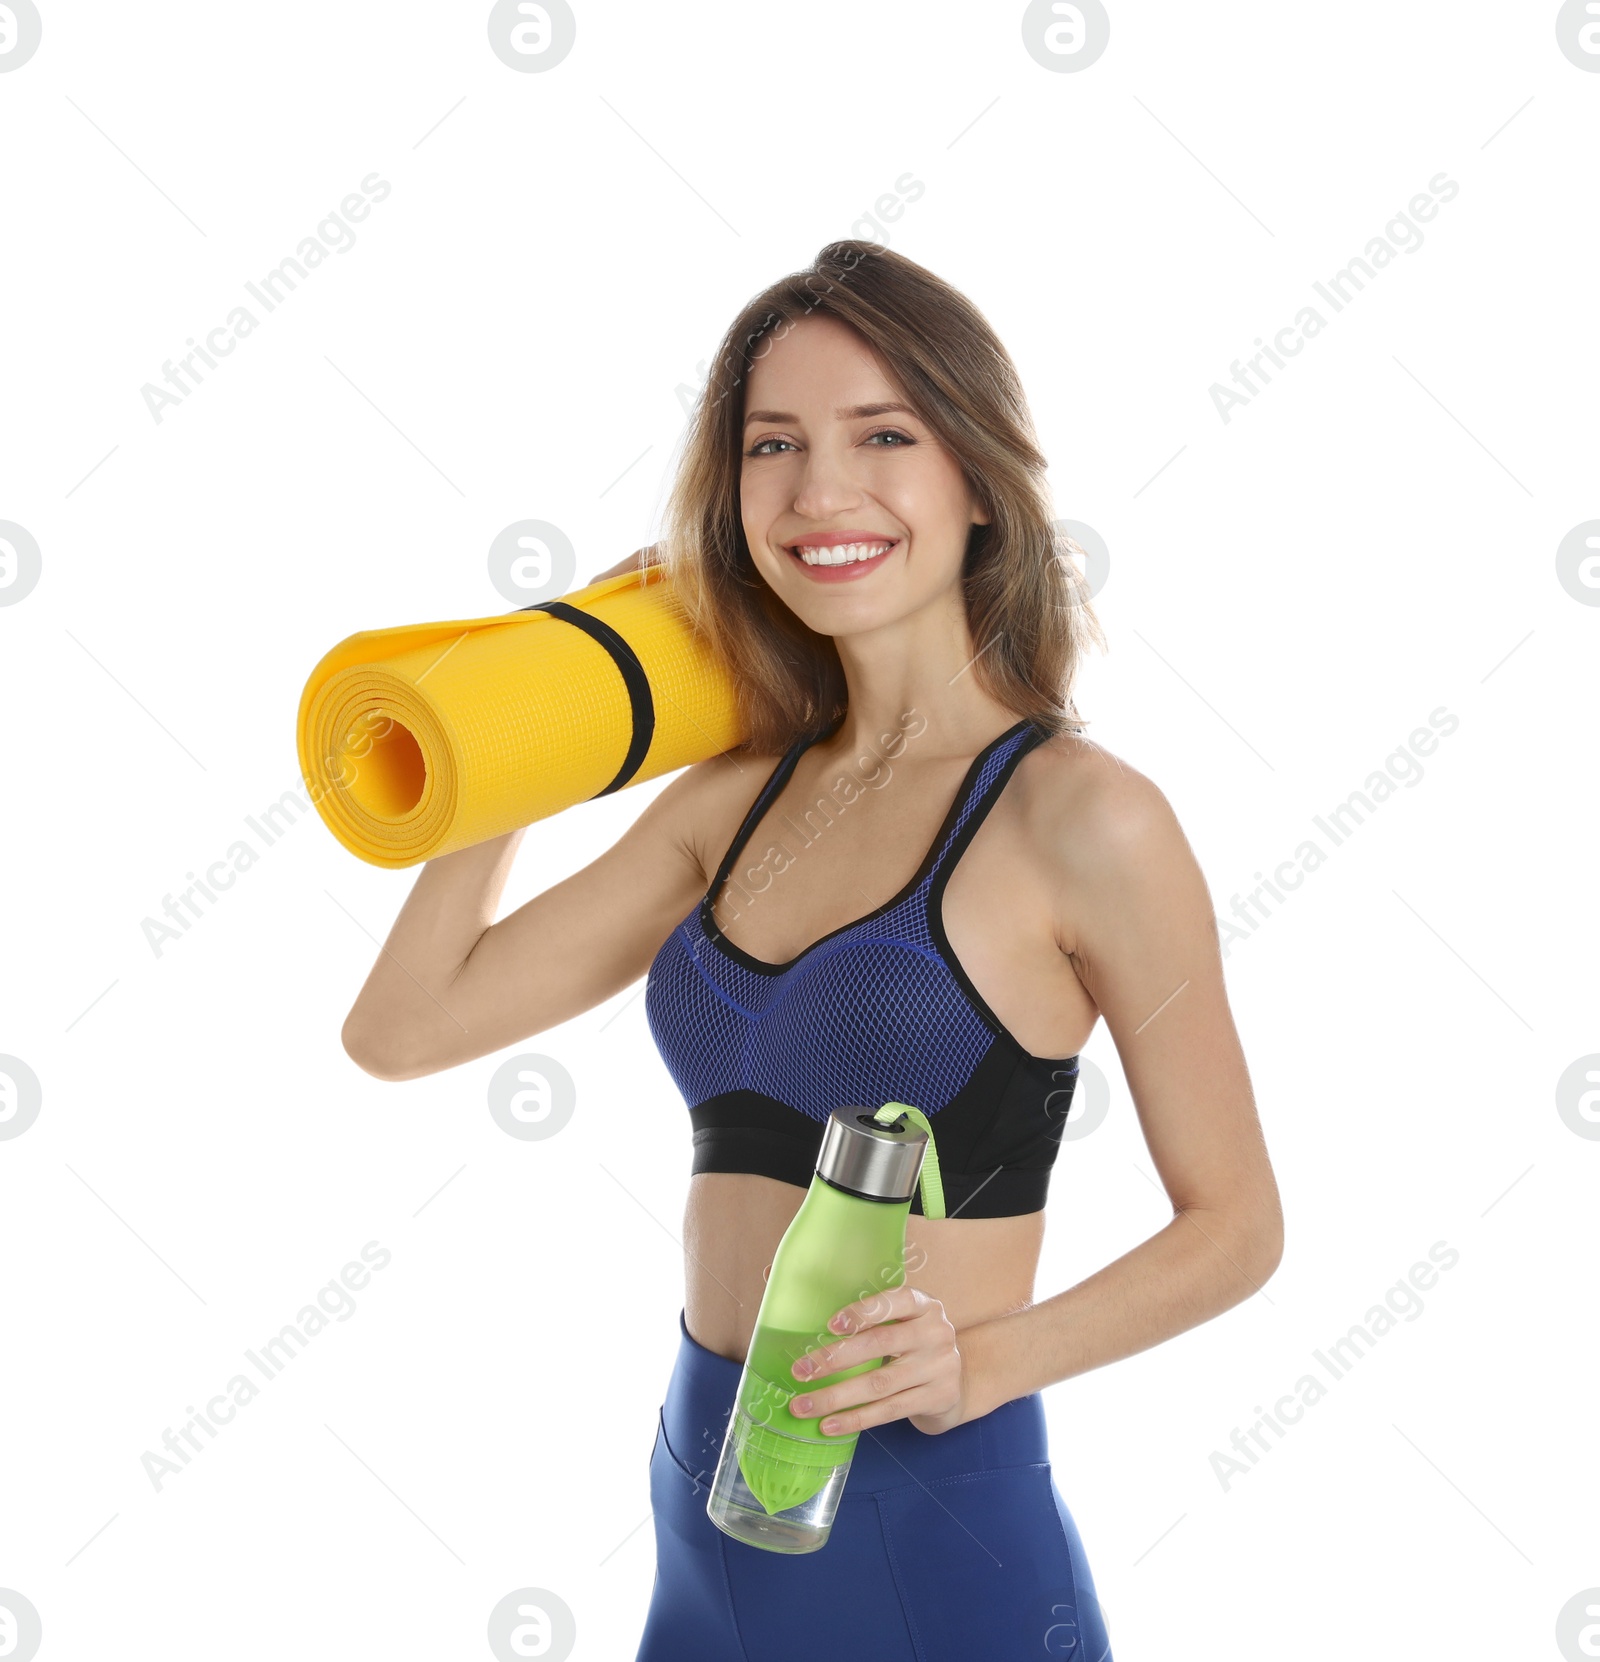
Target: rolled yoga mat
[{"x": 420, "y": 740}]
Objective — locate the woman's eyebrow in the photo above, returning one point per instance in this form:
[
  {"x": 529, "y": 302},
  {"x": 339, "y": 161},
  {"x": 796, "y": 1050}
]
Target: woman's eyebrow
[{"x": 856, "y": 412}]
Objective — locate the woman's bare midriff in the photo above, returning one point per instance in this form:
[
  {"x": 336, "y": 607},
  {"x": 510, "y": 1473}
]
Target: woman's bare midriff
[
  {"x": 978, "y": 1267},
  {"x": 1002, "y": 917}
]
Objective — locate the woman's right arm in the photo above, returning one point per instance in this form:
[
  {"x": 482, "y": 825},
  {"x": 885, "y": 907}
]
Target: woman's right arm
[{"x": 451, "y": 984}]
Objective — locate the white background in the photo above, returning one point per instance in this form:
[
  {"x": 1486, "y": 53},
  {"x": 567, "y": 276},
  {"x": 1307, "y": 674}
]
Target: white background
[{"x": 1290, "y": 594}]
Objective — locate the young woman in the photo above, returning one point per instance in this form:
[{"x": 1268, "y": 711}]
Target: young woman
[{"x": 915, "y": 881}]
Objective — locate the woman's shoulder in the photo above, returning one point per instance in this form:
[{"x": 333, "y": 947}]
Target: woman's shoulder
[
  {"x": 1086, "y": 809},
  {"x": 715, "y": 795}
]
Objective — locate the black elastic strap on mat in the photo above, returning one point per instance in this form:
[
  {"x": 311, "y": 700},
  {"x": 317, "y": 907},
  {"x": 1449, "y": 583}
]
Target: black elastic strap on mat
[{"x": 633, "y": 678}]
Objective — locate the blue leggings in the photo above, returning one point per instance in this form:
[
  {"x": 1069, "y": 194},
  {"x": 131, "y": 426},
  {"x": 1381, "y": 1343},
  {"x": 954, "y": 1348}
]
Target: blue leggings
[{"x": 945, "y": 1548}]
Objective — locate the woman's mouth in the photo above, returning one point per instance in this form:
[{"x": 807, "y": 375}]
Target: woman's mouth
[{"x": 843, "y": 562}]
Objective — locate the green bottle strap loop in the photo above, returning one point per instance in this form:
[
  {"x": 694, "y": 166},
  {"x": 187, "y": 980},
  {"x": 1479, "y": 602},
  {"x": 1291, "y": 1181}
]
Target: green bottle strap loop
[{"x": 932, "y": 1184}]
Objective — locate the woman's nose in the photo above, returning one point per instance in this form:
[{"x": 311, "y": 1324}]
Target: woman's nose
[{"x": 827, "y": 490}]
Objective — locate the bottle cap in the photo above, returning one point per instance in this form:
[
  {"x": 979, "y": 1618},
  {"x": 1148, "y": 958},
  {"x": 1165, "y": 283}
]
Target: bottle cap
[{"x": 866, "y": 1157}]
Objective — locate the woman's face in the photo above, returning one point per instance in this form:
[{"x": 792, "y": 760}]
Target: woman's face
[{"x": 825, "y": 463}]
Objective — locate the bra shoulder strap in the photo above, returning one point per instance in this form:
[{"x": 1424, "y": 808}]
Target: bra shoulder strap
[
  {"x": 980, "y": 795},
  {"x": 775, "y": 783}
]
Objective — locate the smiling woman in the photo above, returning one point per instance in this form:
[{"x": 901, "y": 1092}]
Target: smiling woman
[{"x": 861, "y": 528}]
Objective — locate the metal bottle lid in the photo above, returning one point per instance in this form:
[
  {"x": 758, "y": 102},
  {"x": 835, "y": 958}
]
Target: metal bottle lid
[{"x": 871, "y": 1158}]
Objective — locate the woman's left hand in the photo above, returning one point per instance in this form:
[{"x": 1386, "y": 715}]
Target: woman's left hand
[{"x": 925, "y": 1381}]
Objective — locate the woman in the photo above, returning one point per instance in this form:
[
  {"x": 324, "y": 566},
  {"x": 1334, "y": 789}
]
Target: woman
[{"x": 934, "y": 884}]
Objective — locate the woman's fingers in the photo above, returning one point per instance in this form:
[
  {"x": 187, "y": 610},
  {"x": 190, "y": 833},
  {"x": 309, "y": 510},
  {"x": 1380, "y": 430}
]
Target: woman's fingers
[
  {"x": 868, "y": 1399},
  {"x": 639, "y": 558}
]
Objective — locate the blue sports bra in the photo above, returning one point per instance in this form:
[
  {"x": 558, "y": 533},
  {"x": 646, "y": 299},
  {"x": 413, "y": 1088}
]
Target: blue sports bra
[{"x": 879, "y": 1010}]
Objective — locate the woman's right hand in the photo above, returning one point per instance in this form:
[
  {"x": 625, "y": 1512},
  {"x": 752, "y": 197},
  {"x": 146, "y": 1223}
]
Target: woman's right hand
[{"x": 637, "y": 560}]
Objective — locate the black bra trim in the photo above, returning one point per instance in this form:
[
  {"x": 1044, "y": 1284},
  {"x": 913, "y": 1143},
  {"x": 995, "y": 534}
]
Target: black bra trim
[
  {"x": 774, "y": 786},
  {"x": 941, "y": 881},
  {"x": 749, "y": 1133}
]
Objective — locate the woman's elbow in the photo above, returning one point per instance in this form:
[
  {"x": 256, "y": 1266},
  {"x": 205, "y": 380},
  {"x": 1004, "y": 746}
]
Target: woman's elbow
[
  {"x": 1266, "y": 1239},
  {"x": 362, "y": 1049}
]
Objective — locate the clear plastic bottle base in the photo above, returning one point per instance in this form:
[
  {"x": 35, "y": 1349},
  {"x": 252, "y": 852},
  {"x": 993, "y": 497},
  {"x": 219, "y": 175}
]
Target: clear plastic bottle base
[{"x": 738, "y": 1513}]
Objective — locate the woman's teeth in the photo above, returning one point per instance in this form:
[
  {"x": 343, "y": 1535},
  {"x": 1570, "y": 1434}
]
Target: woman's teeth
[{"x": 845, "y": 554}]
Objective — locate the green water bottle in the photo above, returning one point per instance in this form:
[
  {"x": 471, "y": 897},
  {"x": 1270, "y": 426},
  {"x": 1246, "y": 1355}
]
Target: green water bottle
[{"x": 779, "y": 1477}]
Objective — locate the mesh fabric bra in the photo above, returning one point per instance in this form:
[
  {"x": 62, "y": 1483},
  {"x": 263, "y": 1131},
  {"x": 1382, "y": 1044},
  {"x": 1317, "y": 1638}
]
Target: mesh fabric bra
[{"x": 879, "y": 1010}]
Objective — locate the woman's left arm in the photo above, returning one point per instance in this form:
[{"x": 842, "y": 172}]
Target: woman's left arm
[{"x": 1136, "y": 920}]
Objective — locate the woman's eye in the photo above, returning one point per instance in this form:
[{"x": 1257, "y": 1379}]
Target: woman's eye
[{"x": 760, "y": 447}]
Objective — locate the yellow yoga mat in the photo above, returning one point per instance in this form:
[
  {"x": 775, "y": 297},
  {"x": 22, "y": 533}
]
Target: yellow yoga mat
[{"x": 420, "y": 740}]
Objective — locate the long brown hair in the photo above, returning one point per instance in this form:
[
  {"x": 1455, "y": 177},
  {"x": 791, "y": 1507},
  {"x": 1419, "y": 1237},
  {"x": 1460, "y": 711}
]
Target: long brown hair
[{"x": 1028, "y": 606}]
